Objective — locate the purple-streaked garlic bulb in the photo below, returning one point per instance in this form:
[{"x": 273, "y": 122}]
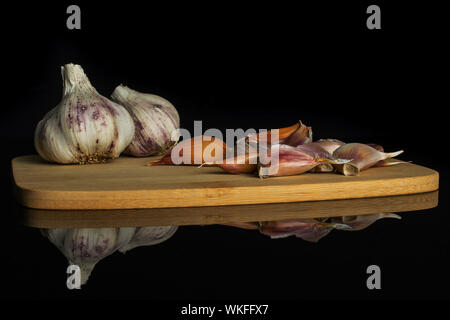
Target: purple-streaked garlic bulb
[
  {"x": 85, "y": 127},
  {"x": 362, "y": 157},
  {"x": 148, "y": 236},
  {"x": 156, "y": 121},
  {"x": 87, "y": 246}
]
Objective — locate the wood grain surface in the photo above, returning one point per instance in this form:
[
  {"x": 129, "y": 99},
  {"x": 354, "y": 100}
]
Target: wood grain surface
[
  {"x": 224, "y": 214},
  {"x": 126, "y": 183}
]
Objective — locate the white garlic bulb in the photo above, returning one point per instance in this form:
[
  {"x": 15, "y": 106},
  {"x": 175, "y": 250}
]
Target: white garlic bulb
[
  {"x": 87, "y": 246},
  {"x": 156, "y": 121},
  {"x": 147, "y": 236},
  {"x": 85, "y": 127}
]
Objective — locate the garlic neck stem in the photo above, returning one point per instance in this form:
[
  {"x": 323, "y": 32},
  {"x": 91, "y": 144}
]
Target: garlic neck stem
[
  {"x": 121, "y": 93},
  {"x": 74, "y": 76}
]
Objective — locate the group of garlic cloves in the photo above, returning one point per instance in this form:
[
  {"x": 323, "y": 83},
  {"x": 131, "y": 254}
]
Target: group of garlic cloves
[{"x": 293, "y": 153}]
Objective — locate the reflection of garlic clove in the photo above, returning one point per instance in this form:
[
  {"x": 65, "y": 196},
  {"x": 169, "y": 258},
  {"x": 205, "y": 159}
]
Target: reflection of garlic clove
[
  {"x": 311, "y": 230},
  {"x": 243, "y": 225},
  {"x": 156, "y": 121},
  {"x": 148, "y": 236},
  {"x": 87, "y": 246},
  {"x": 84, "y": 127},
  {"x": 362, "y": 157},
  {"x": 363, "y": 221}
]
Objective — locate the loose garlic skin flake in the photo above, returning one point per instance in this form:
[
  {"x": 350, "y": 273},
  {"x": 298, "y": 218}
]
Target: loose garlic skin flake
[{"x": 85, "y": 127}]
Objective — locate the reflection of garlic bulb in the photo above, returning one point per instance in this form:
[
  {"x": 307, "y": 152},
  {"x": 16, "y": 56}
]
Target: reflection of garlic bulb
[
  {"x": 85, "y": 247},
  {"x": 147, "y": 236},
  {"x": 84, "y": 127}
]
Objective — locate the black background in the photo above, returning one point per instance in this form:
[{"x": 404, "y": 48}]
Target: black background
[{"x": 235, "y": 66}]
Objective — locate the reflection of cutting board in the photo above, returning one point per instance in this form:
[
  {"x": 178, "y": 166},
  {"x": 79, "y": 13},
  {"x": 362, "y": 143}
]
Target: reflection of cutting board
[{"x": 126, "y": 183}]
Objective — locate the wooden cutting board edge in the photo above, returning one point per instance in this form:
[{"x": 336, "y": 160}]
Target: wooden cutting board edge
[{"x": 221, "y": 196}]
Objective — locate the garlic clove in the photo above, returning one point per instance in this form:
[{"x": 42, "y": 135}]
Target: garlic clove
[
  {"x": 195, "y": 151},
  {"x": 85, "y": 247},
  {"x": 362, "y": 157},
  {"x": 85, "y": 127},
  {"x": 329, "y": 144},
  {"x": 156, "y": 121},
  {"x": 376, "y": 146},
  {"x": 323, "y": 167},
  {"x": 283, "y": 133},
  {"x": 148, "y": 236},
  {"x": 301, "y": 136},
  {"x": 321, "y": 152},
  {"x": 315, "y": 149},
  {"x": 292, "y": 161},
  {"x": 387, "y": 163},
  {"x": 246, "y": 163}
]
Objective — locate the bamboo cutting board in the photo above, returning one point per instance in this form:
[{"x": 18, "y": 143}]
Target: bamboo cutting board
[
  {"x": 225, "y": 214},
  {"x": 126, "y": 183}
]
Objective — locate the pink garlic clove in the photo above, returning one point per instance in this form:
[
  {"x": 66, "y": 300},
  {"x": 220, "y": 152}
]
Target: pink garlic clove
[
  {"x": 291, "y": 161},
  {"x": 246, "y": 163},
  {"x": 316, "y": 149},
  {"x": 329, "y": 145},
  {"x": 362, "y": 157}
]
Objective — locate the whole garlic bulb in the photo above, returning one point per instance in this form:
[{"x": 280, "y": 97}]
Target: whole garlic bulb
[
  {"x": 147, "y": 236},
  {"x": 156, "y": 121},
  {"x": 87, "y": 246},
  {"x": 85, "y": 127}
]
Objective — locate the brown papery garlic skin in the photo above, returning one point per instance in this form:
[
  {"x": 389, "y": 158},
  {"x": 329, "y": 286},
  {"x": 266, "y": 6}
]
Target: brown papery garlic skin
[
  {"x": 362, "y": 157},
  {"x": 302, "y": 135},
  {"x": 283, "y": 133},
  {"x": 198, "y": 150}
]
